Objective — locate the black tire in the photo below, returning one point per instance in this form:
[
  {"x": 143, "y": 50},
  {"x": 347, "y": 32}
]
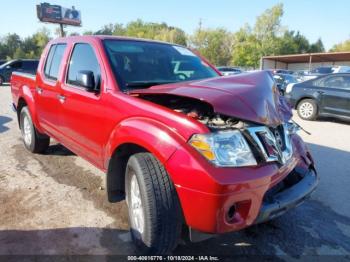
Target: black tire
[
  {"x": 37, "y": 143},
  {"x": 159, "y": 201},
  {"x": 307, "y": 109}
]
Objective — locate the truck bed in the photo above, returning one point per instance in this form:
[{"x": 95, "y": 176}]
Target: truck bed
[{"x": 18, "y": 80}]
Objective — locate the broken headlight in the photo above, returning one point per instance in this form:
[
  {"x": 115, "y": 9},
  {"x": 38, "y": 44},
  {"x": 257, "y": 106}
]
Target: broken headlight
[
  {"x": 292, "y": 128},
  {"x": 224, "y": 148}
]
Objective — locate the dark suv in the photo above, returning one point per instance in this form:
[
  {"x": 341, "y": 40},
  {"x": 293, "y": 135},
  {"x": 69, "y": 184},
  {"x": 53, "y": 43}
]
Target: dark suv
[{"x": 25, "y": 66}]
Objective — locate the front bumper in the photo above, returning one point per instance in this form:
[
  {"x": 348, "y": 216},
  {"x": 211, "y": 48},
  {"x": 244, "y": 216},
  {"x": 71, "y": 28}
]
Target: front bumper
[
  {"x": 207, "y": 194},
  {"x": 289, "y": 198}
]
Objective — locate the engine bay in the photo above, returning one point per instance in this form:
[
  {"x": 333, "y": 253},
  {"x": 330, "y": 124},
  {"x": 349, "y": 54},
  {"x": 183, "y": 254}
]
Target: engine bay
[{"x": 196, "y": 109}]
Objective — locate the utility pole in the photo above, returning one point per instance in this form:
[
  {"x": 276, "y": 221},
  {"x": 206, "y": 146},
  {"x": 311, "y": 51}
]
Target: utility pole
[
  {"x": 61, "y": 30},
  {"x": 200, "y": 24}
]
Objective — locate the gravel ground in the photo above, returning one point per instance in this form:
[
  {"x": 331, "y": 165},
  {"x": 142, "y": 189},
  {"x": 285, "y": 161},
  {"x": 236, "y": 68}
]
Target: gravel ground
[{"x": 56, "y": 203}]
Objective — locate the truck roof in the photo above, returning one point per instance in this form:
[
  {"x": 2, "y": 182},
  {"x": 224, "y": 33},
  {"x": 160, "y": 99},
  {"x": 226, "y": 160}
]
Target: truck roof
[{"x": 104, "y": 37}]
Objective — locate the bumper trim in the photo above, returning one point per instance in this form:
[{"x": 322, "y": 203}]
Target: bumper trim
[{"x": 289, "y": 198}]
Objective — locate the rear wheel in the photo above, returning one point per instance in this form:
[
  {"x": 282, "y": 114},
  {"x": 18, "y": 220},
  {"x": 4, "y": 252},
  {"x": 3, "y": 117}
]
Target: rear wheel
[
  {"x": 307, "y": 109},
  {"x": 32, "y": 139},
  {"x": 154, "y": 210}
]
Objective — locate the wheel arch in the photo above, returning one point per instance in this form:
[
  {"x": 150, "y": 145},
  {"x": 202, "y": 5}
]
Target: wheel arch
[
  {"x": 303, "y": 98},
  {"x": 20, "y": 104},
  {"x": 115, "y": 181},
  {"x": 26, "y": 98},
  {"x": 133, "y": 136}
]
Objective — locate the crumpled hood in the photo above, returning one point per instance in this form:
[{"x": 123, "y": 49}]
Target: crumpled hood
[{"x": 249, "y": 96}]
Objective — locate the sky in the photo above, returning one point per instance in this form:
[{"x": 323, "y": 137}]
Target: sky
[{"x": 328, "y": 20}]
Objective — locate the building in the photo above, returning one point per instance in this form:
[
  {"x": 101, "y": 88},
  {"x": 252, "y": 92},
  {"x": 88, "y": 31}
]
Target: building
[{"x": 305, "y": 61}]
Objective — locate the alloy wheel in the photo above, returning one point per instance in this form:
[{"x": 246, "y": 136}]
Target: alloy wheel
[
  {"x": 135, "y": 206},
  {"x": 306, "y": 110}
]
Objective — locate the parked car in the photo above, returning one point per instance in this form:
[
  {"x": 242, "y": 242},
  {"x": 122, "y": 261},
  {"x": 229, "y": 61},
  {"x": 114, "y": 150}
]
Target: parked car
[
  {"x": 301, "y": 75},
  {"x": 330, "y": 69},
  {"x": 324, "y": 70},
  {"x": 283, "y": 80},
  {"x": 25, "y": 66},
  {"x": 228, "y": 70},
  {"x": 216, "y": 154},
  {"x": 328, "y": 95},
  {"x": 2, "y": 62},
  {"x": 341, "y": 69},
  {"x": 281, "y": 71}
]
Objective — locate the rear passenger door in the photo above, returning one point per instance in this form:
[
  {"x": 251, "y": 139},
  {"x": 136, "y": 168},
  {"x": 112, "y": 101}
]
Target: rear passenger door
[
  {"x": 83, "y": 111},
  {"x": 47, "y": 92}
]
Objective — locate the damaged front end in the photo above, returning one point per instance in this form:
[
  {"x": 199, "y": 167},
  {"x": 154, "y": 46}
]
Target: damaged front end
[
  {"x": 248, "y": 120},
  {"x": 248, "y": 126}
]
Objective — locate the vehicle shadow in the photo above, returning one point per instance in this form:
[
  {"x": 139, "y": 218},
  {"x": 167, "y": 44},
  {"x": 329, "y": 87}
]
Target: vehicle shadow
[
  {"x": 4, "y": 120},
  {"x": 332, "y": 120},
  {"x": 58, "y": 150},
  {"x": 66, "y": 241}
]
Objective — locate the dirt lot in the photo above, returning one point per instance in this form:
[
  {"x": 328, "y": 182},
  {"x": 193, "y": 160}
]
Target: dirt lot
[{"x": 56, "y": 203}]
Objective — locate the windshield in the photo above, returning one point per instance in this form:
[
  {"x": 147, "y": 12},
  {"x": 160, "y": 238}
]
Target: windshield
[
  {"x": 6, "y": 64},
  {"x": 139, "y": 64}
]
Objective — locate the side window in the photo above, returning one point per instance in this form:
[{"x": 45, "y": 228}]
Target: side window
[
  {"x": 323, "y": 81},
  {"x": 30, "y": 66},
  {"x": 346, "y": 83},
  {"x": 334, "y": 81},
  {"x": 16, "y": 65},
  {"x": 83, "y": 59},
  {"x": 53, "y": 61}
]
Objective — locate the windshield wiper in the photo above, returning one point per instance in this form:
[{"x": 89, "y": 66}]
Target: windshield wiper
[{"x": 147, "y": 84}]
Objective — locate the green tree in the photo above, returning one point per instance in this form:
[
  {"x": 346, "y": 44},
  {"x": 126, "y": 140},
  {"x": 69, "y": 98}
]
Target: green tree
[
  {"x": 341, "y": 47},
  {"x": 213, "y": 44},
  {"x": 245, "y": 50},
  {"x": 105, "y": 30},
  {"x": 141, "y": 29},
  {"x": 317, "y": 47},
  {"x": 267, "y": 29},
  {"x": 11, "y": 42}
]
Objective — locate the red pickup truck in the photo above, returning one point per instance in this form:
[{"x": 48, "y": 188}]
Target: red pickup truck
[{"x": 182, "y": 144}]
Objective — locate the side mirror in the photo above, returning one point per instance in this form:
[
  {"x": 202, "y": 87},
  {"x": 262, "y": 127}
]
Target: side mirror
[
  {"x": 8, "y": 67},
  {"x": 86, "y": 79}
]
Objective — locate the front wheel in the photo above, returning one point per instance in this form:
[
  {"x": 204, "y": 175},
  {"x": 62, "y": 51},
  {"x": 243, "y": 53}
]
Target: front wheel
[
  {"x": 307, "y": 109},
  {"x": 154, "y": 210},
  {"x": 32, "y": 139}
]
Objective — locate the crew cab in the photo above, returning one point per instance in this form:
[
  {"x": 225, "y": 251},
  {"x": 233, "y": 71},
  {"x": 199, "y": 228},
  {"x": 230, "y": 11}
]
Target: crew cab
[{"x": 216, "y": 154}]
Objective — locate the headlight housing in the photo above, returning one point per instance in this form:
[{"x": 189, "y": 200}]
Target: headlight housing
[
  {"x": 224, "y": 148},
  {"x": 289, "y": 88}
]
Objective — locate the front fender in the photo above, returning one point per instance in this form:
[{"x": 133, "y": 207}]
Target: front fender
[{"x": 150, "y": 134}]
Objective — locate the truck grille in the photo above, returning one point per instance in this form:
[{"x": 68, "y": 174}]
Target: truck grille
[{"x": 272, "y": 144}]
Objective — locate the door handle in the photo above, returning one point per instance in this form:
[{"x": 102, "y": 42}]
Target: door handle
[
  {"x": 62, "y": 98},
  {"x": 39, "y": 90}
]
